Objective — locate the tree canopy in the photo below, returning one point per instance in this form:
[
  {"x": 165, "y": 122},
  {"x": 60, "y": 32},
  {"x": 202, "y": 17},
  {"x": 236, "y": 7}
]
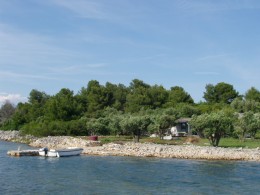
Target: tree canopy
[
  {"x": 139, "y": 109},
  {"x": 7, "y": 110},
  {"x": 253, "y": 94},
  {"x": 220, "y": 93},
  {"x": 213, "y": 126}
]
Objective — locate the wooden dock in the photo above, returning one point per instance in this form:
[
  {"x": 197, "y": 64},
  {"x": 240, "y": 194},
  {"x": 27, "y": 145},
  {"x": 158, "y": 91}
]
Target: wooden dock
[{"x": 23, "y": 153}]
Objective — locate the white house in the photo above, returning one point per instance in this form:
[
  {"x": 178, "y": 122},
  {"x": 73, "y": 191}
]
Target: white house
[{"x": 182, "y": 127}]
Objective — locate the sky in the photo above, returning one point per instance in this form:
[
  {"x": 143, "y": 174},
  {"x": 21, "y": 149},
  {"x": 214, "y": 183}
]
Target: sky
[{"x": 48, "y": 45}]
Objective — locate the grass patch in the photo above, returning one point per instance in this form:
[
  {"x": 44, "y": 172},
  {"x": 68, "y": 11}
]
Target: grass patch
[
  {"x": 114, "y": 139},
  {"x": 232, "y": 142},
  {"x": 224, "y": 142}
]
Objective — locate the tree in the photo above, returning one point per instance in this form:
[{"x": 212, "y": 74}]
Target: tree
[
  {"x": 253, "y": 94},
  {"x": 116, "y": 95},
  {"x": 37, "y": 101},
  {"x": 7, "y": 110},
  {"x": 160, "y": 124},
  {"x": 62, "y": 106},
  {"x": 82, "y": 99},
  {"x": 109, "y": 92},
  {"x": 256, "y": 125},
  {"x": 221, "y": 93},
  {"x": 186, "y": 110},
  {"x": 38, "y": 97},
  {"x": 241, "y": 105},
  {"x": 113, "y": 116},
  {"x": 238, "y": 104},
  {"x": 248, "y": 123},
  {"x": 98, "y": 126},
  {"x": 96, "y": 97},
  {"x": 138, "y": 96},
  {"x": 178, "y": 95},
  {"x": 213, "y": 126},
  {"x": 21, "y": 115},
  {"x": 199, "y": 123},
  {"x": 217, "y": 125},
  {"x": 135, "y": 125},
  {"x": 210, "y": 94},
  {"x": 158, "y": 96},
  {"x": 114, "y": 125},
  {"x": 251, "y": 105}
]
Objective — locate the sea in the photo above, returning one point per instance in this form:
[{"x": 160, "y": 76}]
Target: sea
[{"x": 123, "y": 175}]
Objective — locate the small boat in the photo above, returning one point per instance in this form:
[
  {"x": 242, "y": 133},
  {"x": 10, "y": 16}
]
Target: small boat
[
  {"x": 43, "y": 151},
  {"x": 70, "y": 151}
]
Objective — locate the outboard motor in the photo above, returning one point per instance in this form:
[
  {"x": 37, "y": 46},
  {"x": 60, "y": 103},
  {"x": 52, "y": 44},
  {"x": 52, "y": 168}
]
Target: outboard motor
[{"x": 45, "y": 150}]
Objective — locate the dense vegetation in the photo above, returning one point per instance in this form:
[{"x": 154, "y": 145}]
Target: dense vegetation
[{"x": 140, "y": 109}]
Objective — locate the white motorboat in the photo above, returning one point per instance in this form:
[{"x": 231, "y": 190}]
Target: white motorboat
[
  {"x": 43, "y": 151},
  {"x": 70, "y": 151}
]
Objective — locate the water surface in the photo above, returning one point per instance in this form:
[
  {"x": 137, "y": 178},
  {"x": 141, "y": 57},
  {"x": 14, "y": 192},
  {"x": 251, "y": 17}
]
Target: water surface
[{"x": 123, "y": 175}]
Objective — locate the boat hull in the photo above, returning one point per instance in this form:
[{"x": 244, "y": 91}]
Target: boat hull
[
  {"x": 43, "y": 151},
  {"x": 65, "y": 152}
]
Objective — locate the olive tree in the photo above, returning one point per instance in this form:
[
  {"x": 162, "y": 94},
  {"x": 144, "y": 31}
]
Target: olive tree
[
  {"x": 114, "y": 125},
  {"x": 199, "y": 123},
  {"x": 213, "y": 126},
  {"x": 135, "y": 125},
  {"x": 247, "y": 123},
  {"x": 218, "y": 124},
  {"x": 97, "y": 126},
  {"x": 160, "y": 124},
  {"x": 245, "y": 105}
]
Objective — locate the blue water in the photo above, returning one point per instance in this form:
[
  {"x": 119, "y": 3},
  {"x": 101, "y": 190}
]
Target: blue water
[{"x": 123, "y": 175}]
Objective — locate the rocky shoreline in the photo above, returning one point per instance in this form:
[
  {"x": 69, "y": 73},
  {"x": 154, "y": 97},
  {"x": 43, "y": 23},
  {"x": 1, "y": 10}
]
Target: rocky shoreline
[{"x": 136, "y": 149}]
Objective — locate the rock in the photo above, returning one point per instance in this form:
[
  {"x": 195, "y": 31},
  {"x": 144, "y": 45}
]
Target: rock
[{"x": 157, "y": 150}]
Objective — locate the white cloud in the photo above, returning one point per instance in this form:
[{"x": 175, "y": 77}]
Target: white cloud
[{"x": 13, "y": 98}]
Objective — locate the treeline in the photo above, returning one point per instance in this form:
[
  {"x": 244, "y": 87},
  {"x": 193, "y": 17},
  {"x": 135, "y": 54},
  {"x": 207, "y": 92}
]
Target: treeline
[{"x": 114, "y": 109}]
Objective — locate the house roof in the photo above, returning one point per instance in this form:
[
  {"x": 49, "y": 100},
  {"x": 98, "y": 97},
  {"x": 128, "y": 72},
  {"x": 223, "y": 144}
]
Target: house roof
[{"x": 183, "y": 120}]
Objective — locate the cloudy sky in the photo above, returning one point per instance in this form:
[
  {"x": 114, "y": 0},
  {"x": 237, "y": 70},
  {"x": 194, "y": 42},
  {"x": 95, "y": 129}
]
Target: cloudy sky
[{"x": 53, "y": 44}]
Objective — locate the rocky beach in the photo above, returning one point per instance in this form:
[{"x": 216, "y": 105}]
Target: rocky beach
[{"x": 187, "y": 151}]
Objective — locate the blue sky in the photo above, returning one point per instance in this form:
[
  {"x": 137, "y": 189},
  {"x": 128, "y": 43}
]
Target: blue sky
[{"x": 52, "y": 44}]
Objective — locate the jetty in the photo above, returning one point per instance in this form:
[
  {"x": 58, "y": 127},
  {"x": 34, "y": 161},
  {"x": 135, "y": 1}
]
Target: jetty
[{"x": 23, "y": 153}]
